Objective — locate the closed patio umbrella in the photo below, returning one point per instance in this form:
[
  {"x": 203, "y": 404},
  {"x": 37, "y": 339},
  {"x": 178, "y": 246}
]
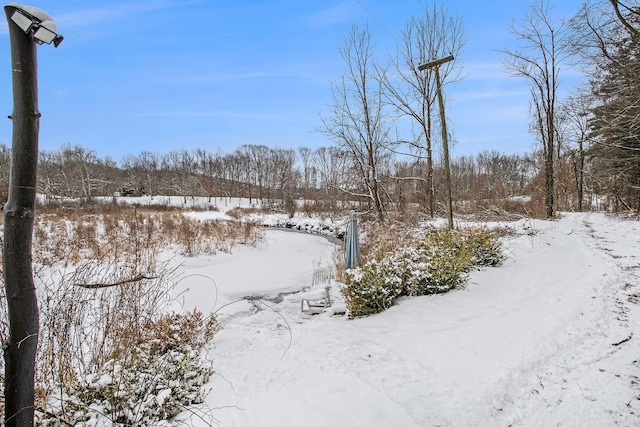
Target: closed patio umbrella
[{"x": 352, "y": 245}]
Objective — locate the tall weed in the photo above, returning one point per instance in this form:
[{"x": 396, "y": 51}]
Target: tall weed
[{"x": 109, "y": 352}]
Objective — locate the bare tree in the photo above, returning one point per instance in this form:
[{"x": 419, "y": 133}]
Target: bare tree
[
  {"x": 284, "y": 177},
  {"x": 357, "y": 121},
  {"x": 74, "y": 171},
  {"x": 179, "y": 168},
  {"x": 332, "y": 167},
  {"x": 412, "y": 92},
  {"x": 208, "y": 168},
  {"x": 543, "y": 48},
  {"x": 233, "y": 169},
  {"x": 257, "y": 165},
  {"x": 575, "y": 112},
  {"x": 143, "y": 171},
  {"x": 308, "y": 172}
]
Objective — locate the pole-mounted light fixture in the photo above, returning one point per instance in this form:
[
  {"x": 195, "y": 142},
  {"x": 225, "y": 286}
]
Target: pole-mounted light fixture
[
  {"x": 28, "y": 26},
  {"x": 36, "y": 22}
]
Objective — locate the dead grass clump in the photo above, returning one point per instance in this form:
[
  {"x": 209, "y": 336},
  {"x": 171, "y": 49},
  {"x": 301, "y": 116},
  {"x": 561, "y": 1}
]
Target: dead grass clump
[
  {"x": 156, "y": 207},
  {"x": 382, "y": 238},
  {"x": 71, "y": 237},
  {"x": 239, "y": 213},
  {"x": 105, "y": 340},
  {"x": 103, "y": 291},
  {"x": 505, "y": 209},
  {"x": 193, "y": 236}
]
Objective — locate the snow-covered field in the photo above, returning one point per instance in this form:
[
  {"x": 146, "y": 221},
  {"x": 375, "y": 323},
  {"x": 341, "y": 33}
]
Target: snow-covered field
[{"x": 547, "y": 339}]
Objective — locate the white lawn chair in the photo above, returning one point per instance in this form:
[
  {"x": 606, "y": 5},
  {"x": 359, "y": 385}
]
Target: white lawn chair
[{"x": 316, "y": 298}]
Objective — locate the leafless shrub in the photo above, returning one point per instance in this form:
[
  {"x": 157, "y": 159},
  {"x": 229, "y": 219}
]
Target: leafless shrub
[
  {"x": 499, "y": 209},
  {"x": 382, "y": 238},
  {"x": 90, "y": 312},
  {"x": 103, "y": 289},
  {"x": 239, "y": 213}
]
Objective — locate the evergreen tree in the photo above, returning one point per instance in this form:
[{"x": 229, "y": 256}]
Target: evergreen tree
[{"x": 615, "y": 120}]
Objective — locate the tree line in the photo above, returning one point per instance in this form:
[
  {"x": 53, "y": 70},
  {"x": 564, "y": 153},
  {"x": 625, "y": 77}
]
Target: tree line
[{"x": 325, "y": 178}]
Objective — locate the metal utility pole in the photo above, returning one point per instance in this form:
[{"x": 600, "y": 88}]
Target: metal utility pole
[
  {"x": 445, "y": 141},
  {"x": 27, "y": 26}
]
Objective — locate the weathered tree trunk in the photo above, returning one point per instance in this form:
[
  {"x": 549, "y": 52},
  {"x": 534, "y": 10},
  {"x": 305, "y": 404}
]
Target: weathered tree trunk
[
  {"x": 549, "y": 182},
  {"x": 430, "y": 192},
  {"x": 22, "y": 305},
  {"x": 580, "y": 177},
  {"x": 549, "y": 176}
]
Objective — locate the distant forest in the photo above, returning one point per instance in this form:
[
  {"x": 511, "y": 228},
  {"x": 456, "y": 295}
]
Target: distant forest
[{"x": 325, "y": 179}]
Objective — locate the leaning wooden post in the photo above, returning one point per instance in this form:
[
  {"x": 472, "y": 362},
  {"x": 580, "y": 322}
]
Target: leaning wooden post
[
  {"x": 445, "y": 138},
  {"x": 22, "y": 305}
]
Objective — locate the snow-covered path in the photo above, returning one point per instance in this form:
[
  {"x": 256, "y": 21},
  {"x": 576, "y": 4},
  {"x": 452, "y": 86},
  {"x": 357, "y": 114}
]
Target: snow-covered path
[{"x": 543, "y": 340}]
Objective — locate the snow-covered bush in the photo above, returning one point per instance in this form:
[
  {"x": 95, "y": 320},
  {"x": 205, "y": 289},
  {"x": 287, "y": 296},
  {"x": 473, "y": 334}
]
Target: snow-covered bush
[
  {"x": 484, "y": 246},
  {"x": 138, "y": 386},
  {"x": 436, "y": 263},
  {"x": 374, "y": 287}
]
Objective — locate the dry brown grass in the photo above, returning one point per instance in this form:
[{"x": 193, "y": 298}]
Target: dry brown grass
[
  {"x": 103, "y": 277},
  {"x": 239, "y": 213},
  {"x": 74, "y": 236},
  {"x": 382, "y": 238}
]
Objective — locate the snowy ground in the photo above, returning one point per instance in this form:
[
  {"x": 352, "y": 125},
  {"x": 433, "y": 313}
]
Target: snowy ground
[{"x": 547, "y": 339}]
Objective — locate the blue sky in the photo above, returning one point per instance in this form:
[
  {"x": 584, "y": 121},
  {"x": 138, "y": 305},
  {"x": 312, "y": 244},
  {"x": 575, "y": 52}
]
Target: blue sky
[{"x": 161, "y": 75}]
